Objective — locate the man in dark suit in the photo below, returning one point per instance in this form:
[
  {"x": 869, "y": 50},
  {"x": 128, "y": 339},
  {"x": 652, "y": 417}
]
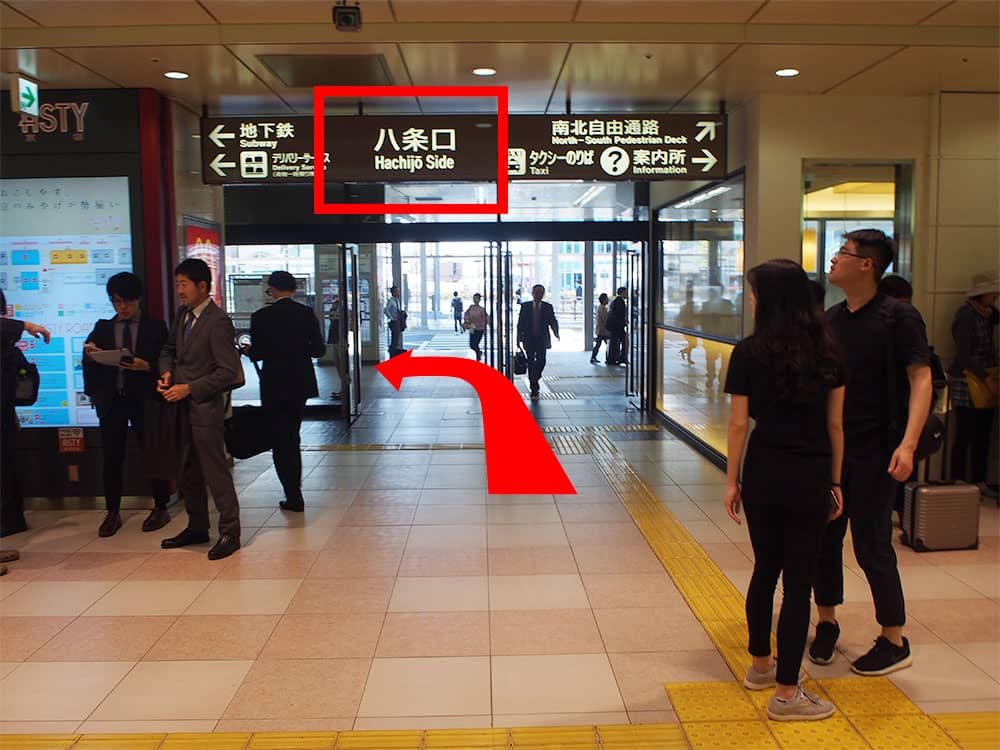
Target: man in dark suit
[
  {"x": 533, "y": 323},
  {"x": 617, "y": 325},
  {"x": 119, "y": 393},
  {"x": 285, "y": 335},
  {"x": 199, "y": 365}
]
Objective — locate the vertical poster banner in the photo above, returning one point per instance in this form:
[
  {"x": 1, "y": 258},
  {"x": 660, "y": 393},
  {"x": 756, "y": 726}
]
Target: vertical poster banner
[{"x": 203, "y": 239}]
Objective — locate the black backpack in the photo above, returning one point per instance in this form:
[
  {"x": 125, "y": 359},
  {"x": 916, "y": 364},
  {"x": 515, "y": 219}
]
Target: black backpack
[{"x": 27, "y": 379}]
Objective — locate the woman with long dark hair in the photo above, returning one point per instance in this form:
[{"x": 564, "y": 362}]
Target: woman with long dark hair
[{"x": 787, "y": 377}]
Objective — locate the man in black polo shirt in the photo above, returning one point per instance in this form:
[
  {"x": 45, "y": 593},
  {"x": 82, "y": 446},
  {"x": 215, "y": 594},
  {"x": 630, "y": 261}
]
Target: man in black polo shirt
[{"x": 883, "y": 346}]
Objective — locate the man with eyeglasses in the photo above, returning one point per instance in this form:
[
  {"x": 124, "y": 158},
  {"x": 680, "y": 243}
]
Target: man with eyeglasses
[
  {"x": 886, "y": 359},
  {"x": 119, "y": 393}
]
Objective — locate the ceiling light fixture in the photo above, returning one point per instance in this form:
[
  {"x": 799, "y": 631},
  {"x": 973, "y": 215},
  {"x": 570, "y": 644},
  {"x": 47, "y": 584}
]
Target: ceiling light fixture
[
  {"x": 484, "y": 71},
  {"x": 589, "y": 194},
  {"x": 176, "y": 75},
  {"x": 787, "y": 72},
  {"x": 702, "y": 197}
]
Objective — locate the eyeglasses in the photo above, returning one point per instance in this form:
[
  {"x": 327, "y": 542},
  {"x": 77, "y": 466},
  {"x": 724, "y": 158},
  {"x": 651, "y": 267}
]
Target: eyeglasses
[
  {"x": 119, "y": 302},
  {"x": 845, "y": 251}
]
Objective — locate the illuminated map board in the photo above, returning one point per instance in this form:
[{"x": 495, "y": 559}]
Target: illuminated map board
[{"x": 60, "y": 240}]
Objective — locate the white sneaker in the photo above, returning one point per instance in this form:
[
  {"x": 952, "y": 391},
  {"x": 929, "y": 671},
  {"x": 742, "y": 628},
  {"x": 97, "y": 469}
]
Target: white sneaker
[{"x": 803, "y": 706}]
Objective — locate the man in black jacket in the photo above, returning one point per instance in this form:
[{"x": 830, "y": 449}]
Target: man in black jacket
[
  {"x": 617, "y": 324},
  {"x": 285, "y": 335},
  {"x": 533, "y": 323},
  {"x": 120, "y": 393}
]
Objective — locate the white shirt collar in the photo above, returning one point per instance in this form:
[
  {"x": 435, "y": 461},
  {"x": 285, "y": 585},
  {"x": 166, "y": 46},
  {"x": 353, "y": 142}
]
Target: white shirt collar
[{"x": 197, "y": 311}]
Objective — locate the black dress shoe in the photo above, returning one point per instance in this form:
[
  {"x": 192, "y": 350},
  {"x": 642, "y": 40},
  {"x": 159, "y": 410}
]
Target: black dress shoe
[
  {"x": 185, "y": 538},
  {"x": 157, "y": 519},
  {"x": 226, "y": 546},
  {"x": 13, "y": 527},
  {"x": 112, "y": 522},
  {"x": 295, "y": 507}
]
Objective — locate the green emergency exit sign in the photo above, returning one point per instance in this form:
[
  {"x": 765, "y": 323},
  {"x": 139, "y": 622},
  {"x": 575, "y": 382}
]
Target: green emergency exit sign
[{"x": 25, "y": 96}]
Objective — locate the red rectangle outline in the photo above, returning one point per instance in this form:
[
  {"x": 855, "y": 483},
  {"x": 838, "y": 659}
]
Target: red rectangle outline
[{"x": 322, "y": 93}]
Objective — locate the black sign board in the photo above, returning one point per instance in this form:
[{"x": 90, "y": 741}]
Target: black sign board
[
  {"x": 73, "y": 122},
  {"x": 632, "y": 147},
  {"x": 443, "y": 148},
  {"x": 440, "y": 148}
]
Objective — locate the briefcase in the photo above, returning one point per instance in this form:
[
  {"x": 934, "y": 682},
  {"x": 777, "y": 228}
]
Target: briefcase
[
  {"x": 940, "y": 516},
  {"x": 162, "y": 439},
  {"x": 520, "y": 363},
  {"x": 248, "y": 432}
]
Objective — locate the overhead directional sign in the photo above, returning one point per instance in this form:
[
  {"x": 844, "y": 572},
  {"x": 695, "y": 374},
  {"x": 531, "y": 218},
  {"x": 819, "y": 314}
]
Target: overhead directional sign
[
  {"x": 442, "y": 148},
  {"x": 24, "y": 96},
  {"x": 631, "y": 146}
]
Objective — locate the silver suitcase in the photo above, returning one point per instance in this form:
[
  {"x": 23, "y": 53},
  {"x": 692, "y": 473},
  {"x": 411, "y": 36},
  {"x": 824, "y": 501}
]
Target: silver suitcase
[{"x": 940, "y": 516}]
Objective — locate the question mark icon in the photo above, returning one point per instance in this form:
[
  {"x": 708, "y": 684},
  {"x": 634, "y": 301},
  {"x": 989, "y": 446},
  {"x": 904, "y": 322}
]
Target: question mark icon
[{"x": 615, "y": 160}]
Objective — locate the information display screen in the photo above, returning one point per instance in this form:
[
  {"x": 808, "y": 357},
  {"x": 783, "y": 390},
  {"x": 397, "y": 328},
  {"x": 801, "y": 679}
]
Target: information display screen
[{"x": 61, "y": 238}]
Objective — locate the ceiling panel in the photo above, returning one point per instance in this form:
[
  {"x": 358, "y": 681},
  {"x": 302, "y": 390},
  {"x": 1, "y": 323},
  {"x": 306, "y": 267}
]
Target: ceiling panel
[
  {"x": 668, "y": 11},
  {"x": 112, "y": 12},
  {"x": 923, "y": 70},
  {"x": 10, "y": 19},
  {"x": 634, "y": 77},
  {"x": 217, "y": 78},
  {"x": 528, "y": 70},
  {"x": 968, "y": 13},
  {"x": 751, "y": 68},
  {"x": 52, "y": 70},
  {"x": 301, "y": 100},
  {"x": 481, "y": 11},
  {"x": 877, "y": 12},
  {"x": 290, "y": 11}
]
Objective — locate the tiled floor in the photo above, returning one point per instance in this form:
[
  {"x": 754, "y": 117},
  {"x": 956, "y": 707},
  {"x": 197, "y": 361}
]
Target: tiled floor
[{"x": 407, "y": 597}]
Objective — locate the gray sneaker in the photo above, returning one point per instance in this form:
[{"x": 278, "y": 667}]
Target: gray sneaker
[
  {"x": 803, "y": 706},
  {"x": 763, "y": 680}
]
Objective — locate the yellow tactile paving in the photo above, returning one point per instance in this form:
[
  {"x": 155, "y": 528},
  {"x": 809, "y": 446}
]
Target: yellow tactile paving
[
  {"x": 729, "y": 735},
  {"x": 473, "y": 739},
  {"x": 903, "y": 731},
  {"x": 710, "y": 701},
  {"x": 872, "y": 696},
  {"x": 387, "y": 740},
  {"x": 37, "y": 741},
  {"x": 555, "y": 738},
  {"x": 205, "y": 741},
  {"x": 835, "y": 732},
  {"x": 972, "y": 731},
  {"x": 120, "y": 742},
  {"x": 292, "y": 741},
  {"x": 643, "y": 737}
]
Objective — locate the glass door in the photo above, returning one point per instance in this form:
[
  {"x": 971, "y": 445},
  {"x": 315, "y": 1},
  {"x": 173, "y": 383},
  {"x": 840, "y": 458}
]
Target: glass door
[{"x": 635, "y": 282}]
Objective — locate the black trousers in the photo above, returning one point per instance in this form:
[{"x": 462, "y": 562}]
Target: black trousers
[
  {"x": 285, "y": 418},
  {"x": 475, "y": 338},
  {"x": 535, "y": 348},
  {"x": 972, "y": 443},
  {"x": 395, "y": 338},
  {"x": 618, "y": 348},
  {"x": 869, "y": 493},
  {"x": 459, "y": 324},
  {"x": 785, "y": 533},
  {"x": 598, "y": 340},
  {"x": 114, "y": 434},
  {"x": 11, "y": 500}
]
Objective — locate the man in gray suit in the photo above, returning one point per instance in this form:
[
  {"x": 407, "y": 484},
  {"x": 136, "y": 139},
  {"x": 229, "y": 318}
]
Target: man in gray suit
[{"x": 199, "y": 365}]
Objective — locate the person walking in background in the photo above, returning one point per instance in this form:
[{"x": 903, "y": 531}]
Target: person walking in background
[
  {"x": 617, "y": 323},
  {"x": 119, "y": 394},
  {"x": 199, "y": 365},
  {"x": 787, "y": 378},
  {"x": 12, "y": 519},
  {"x": 686, "y": 318},
  {"x": 534, "y": 321},
  {"x": 883, "y": 345},
  {"x": 456, "y": 312},
  {"x": 286, "y": 336},
  {"x": 475, "y": 321},
  {"x": 397, "y": 321},
  {"x": 601, "y": 334},
  {"x": 975, "y": 358}
]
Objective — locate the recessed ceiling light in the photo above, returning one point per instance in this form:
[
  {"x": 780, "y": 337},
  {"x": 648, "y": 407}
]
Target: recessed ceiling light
[
  {"x": 787, "y": 72},
  {"x": 176, "y": 75},
  {"x": 195, "y": 135},
  {"x": 484, "y": 71}
]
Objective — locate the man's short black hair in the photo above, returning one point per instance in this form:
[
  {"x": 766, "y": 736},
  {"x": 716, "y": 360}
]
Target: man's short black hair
[
  {"x": 195, "y": 269},
  {"x": 876, "y": 245},
  {"x": 896, "y": 286},
  {"x": 282, "y": 281},
  {"x": 125, "y": 285}
]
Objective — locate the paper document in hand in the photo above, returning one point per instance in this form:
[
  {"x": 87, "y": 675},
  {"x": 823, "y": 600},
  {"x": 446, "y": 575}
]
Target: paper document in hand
[{"x": 111, "y": 357}]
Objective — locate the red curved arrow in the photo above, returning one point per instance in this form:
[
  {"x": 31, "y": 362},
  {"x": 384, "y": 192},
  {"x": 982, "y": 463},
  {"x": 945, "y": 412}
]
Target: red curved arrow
[{"x": 519, "y": 460}]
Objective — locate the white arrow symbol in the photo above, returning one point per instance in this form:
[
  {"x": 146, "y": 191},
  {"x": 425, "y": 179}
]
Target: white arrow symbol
[
  {"x": 218, "y": 135},
  {"x": 218, "y": 165},
  {"x": 708, "y": 160},
  {"x": 707, "y": 128}
]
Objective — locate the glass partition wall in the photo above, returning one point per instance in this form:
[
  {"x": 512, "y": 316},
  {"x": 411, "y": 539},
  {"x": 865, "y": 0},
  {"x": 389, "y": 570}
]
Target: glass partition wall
[{"x": 701, "y": 314}]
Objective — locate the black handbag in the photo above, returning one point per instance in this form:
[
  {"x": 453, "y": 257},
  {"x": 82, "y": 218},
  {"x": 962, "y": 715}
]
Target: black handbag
[
  {"x": 27, "y": 380},
  {"x": 248, "y": 431},
  {"x": 520, "y": 363},
  {"x": 163, "y": 438}
]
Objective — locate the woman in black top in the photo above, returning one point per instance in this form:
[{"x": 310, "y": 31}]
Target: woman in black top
[{"x": 785, "y": 376}]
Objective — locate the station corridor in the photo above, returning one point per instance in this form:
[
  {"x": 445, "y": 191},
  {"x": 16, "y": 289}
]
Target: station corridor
[{"x": 408, "y": 600}]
